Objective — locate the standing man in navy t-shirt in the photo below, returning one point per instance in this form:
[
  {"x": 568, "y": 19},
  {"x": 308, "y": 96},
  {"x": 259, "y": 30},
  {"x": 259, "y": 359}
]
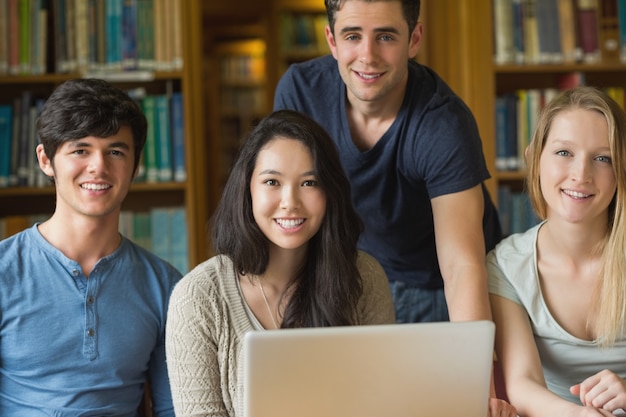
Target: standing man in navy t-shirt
[{"x": 412, "y": 152}]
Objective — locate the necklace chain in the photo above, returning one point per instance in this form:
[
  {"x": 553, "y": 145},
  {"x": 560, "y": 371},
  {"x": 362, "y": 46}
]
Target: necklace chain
[{"x": 267, "y": 304}]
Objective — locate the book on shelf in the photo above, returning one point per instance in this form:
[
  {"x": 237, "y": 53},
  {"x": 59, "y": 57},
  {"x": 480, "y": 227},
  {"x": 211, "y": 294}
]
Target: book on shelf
[
  {"x": 608, "y": 30},
  {"x": 588, "y": 31},
  {"x": 163, "y": 138},
  {"x": 145, "y": 35},
  {"x": 518, "y": 31},
  {"x": 113, "y": 38},
  {"x": 129, "y": 35},
  {"x": 303, "y": 33},
  {"x": 6, "y": 123},
  {"x": 82, "y": 41},
  {"x": 621, "y": 21},
  {"x": 530, "y": 29},
  {"x": 559, "y": 31},
  {"x": 90, "y": 37},
  {"x": 549, "y": 32},
  {"x": 4, "y": 40},
  {"x": 515, "y": 211},
  {"x": 161, "y": 230},
  {"x": 13, "y": 49},
  {"x": 179, "y": 165},
  {"x": 503, "y": 31},
  {"x": 567, "y": 28},
  {"x": 148, "y": 105}
]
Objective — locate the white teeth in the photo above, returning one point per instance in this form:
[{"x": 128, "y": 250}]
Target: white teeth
[
  {"x": 95, "y": 186},
  {"x": 575, "y": 194},
  {"x": 369, "y": 76},
  {"x": 288, "y": 224}
]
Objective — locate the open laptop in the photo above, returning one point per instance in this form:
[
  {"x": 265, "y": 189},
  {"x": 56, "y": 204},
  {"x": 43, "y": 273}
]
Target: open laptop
[{"x": 398, "y": 370}]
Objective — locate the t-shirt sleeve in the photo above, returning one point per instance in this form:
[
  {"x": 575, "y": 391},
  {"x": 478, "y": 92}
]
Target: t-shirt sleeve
[
  {"x": 498, "y": 282},
  {"x": 449, "y": 154}
]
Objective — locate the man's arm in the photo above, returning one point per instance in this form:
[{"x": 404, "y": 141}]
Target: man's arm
[{"x": 461, "y": 253}]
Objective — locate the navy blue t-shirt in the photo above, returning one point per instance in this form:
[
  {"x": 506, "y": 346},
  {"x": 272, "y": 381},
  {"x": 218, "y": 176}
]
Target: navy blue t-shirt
[{"x": 431, "y": 149}]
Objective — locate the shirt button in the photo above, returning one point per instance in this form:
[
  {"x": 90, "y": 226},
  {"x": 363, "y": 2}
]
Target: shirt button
[
  {"x": 90, "y": 299},
  {"x": 91, "y": 332},
  {"x": 75, "y": 272}
]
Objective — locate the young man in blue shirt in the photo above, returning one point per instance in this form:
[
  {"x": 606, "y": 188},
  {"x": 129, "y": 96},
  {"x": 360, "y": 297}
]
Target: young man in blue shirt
[{"x": 82, "y": 309}]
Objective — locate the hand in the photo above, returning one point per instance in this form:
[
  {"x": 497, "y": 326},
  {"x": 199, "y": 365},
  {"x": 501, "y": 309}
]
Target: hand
[
  {"x": 604, "y": 390},
  {"x": 500, "y": 408}
]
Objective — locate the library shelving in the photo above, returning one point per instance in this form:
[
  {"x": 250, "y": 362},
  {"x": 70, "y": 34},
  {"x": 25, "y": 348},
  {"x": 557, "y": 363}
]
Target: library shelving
[
  {"x": 175, "y": 70},
  {"x": 296, "y": 35},
  {"x": 236, "y": 73}
]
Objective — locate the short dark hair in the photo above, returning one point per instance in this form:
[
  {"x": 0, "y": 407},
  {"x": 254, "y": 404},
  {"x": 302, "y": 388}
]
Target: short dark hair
[
  {"x": 410, "y": 10},
  {"x": 327, "y": 290},
  {"x": 89, "y": 107}
]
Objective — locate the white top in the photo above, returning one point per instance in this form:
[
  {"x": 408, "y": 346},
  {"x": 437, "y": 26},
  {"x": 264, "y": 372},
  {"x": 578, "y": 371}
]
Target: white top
[{"x": 566, "y": 360}]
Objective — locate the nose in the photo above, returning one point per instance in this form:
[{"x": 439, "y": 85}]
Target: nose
[
  {"x": 581, "y": 170},
  {"x": 367, "y": 51},
  {"x": 97, "y": 162},
  {"x": 290, "y": 199}
]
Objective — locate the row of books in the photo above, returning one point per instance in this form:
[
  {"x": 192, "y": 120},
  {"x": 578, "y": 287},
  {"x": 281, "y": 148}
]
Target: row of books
[
  {"x": 163, "y": 157},
  {"x": 303, "y": 32},
  {"x": 242, "y": 68},
  {"x": 89, "y": 36},
  {"x": 241, "y": 99},
  {"x": 162, "y": 230},
  {"x": 516, "y": 119},
  {"x": 515, "y": 211},
  {"x": 559, "y": 31}
]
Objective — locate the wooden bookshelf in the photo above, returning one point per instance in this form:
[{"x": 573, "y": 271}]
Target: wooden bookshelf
[{"x": 192, "y": 193}]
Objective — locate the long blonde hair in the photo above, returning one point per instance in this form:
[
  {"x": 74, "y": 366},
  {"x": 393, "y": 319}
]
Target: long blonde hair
[{"x": 609, "y": 305}]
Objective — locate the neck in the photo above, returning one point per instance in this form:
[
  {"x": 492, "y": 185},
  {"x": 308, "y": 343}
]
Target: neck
[{"x": 82, "y": 239}]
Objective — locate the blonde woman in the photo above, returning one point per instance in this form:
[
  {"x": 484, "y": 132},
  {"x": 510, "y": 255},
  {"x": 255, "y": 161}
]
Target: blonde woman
[{"x": 558, "y": 291}]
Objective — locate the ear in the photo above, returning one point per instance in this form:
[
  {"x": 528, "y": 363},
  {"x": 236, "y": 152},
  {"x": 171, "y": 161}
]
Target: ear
[
  {"x": 415, "y": 40},
  {"x": 330, "y": 39},
  {"x": 45, "y": 163}
]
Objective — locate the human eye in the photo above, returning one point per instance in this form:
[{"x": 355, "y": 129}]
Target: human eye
[
  {"x": 310, "y": 183},
  {"x": 386, "y": 37},
  {"x": 117, "y": 152},
  {"x": 604, "y": 158},
  {"x": 352, "y": 37},
  {"x": 271, "y": 182},
  {"x": 562, "y": 152}
]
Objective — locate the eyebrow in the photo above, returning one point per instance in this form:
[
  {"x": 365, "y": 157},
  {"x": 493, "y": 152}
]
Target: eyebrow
[
  {"x": 274, "y": 172},
  {"x": 84, "y": 144},
  {"x": 383, "y": 29}
]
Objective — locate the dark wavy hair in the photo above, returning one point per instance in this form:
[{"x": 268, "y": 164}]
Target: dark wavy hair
[
  {"x": 410, "y": 11},
  {"x": 89, "y": 107},
  {"x": 327, "y": 289}
]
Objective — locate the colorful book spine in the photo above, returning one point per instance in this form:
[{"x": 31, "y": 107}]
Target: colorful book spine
[
  {"x": 164, "y": 138},
  {"x": 6, "y": 129},
  {"x": 113, "y": 30},
  {"x": 150, "y": 149},
  {"x": 129, "y": 35},
  {"x": 621, "y": 12},
  {"x": 588, "y": 36},
  {"x": 179, "y": 246},
  {"x": 178, "y": 138},
  {"x": 24, "y": 36},
  {"x": 503, "y": 30}
]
